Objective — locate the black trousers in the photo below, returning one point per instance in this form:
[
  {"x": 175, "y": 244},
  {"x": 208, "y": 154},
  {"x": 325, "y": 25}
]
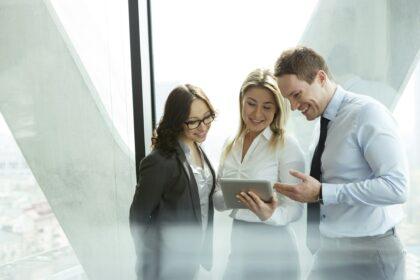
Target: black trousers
[{"x": 260, "y": 251}]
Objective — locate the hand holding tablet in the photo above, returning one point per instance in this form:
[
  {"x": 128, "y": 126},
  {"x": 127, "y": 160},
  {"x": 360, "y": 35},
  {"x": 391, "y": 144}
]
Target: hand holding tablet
[{"x": 232, "y": 187}]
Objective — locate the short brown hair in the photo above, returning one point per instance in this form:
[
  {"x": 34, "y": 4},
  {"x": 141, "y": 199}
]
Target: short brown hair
[{"x": 300, "y": 61}]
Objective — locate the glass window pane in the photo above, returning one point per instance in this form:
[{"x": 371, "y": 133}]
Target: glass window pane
[
  {"x": 407, "y": 116},
  {"x": 214, "y": 45},
  {"x": 67, "y": 140}
]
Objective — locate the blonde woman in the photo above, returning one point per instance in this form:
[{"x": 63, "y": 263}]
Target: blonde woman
[{"x": 262, "y": 246}]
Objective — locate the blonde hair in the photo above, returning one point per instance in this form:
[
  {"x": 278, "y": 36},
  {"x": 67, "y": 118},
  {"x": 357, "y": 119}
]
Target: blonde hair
[{"x": 263, "y": 78}]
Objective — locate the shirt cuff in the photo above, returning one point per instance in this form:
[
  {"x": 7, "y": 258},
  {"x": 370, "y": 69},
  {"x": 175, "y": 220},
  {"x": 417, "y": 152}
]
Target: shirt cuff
[
  {"x": 270, "y": 221},
  {"x": 244, "y": 215},
  {"x": 330, "y": 193},
  {"x": 273, "y": 220}
]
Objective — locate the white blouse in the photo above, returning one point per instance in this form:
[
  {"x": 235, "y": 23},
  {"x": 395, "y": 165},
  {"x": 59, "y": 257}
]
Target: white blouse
[{"x": 264, "y": 162}]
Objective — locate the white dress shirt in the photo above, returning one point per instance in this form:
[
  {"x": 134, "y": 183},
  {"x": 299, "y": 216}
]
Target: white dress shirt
[
  {"x": 204, "y": 180},
  {"x": 266, "y": 163},
  {"x": 364, "y": 170}
]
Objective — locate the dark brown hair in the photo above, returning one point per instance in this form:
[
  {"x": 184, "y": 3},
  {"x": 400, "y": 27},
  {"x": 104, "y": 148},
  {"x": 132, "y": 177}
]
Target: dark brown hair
[
  {"x": 177, "y": 110},
  {"x": 300, "y": 61}
]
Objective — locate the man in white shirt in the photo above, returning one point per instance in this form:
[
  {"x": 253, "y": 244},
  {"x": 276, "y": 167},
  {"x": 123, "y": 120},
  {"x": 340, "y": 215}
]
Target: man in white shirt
[{"x": 358, "y": 176}]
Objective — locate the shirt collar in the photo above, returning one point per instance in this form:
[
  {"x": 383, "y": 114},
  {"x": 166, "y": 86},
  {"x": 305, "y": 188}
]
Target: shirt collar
[
  {"x": 332, "y": 108},
  {"x": 266, "y": 133}
]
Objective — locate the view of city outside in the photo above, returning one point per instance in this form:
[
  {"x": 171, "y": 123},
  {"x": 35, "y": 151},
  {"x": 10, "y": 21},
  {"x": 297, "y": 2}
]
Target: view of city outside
[{"x": 32, "y": 243}]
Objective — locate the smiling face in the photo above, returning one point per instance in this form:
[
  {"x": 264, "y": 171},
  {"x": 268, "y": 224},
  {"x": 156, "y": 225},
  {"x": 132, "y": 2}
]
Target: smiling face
[
  {"x": 198, "y": 112},
  {"x": 258, "y": 109},
  {"x": 310, "y": 99}
]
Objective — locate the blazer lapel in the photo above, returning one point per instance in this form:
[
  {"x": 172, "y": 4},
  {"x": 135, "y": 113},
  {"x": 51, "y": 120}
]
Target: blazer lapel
[
  {"x": 212, "y": 172},
  {"x": 213, "y": 187},
  {"x": 192, "y": 184}
]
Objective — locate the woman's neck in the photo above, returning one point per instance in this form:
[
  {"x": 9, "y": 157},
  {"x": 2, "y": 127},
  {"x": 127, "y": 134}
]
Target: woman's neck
[
  {"x": 251, "y": 135},
  {"x": 189, "y": 143},
  {"x": 194, "y": 151}
]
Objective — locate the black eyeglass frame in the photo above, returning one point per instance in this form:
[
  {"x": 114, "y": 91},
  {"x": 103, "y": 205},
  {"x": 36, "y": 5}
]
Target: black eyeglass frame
[{"x": 206, "y": 120}]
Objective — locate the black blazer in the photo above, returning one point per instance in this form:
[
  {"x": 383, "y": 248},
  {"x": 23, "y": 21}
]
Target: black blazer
[{"x": 165, "y": 219}]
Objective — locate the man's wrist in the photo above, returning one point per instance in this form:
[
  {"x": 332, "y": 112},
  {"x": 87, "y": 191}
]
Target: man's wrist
[{"x": 320, "y": 199}]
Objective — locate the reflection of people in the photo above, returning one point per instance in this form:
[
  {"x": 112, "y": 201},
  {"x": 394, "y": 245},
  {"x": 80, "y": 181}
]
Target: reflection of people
[
  {"x": 172, "y": 211},
  {"x": 262, "y": 246},
  {"x": 358, "y": 174}
]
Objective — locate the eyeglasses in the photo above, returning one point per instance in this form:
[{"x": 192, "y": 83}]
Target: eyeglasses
[{"x": 196, "y": 123}]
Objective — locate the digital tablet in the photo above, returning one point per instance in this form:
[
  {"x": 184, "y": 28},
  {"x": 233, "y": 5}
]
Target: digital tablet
[{"x": 232, "y": 187}]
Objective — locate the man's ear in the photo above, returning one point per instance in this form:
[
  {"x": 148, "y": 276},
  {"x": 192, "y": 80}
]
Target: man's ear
[{"x": 322, "y": 76}]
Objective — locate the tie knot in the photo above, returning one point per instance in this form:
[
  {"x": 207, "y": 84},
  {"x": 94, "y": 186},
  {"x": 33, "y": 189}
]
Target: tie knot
[{"x": 324, "y": 123}]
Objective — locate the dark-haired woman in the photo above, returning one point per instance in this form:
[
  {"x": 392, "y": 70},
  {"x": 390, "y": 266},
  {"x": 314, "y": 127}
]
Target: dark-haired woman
[{"x": 171, "y": 215}]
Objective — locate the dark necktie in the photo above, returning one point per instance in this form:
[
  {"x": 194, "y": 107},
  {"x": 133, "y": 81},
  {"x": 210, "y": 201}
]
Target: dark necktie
[{"x": 313, "y": 235}]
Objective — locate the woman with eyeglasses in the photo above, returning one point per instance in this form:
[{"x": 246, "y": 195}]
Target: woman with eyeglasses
[
  {"x": 171, "y": 215},
  {"x": 262, "y": 244}
]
